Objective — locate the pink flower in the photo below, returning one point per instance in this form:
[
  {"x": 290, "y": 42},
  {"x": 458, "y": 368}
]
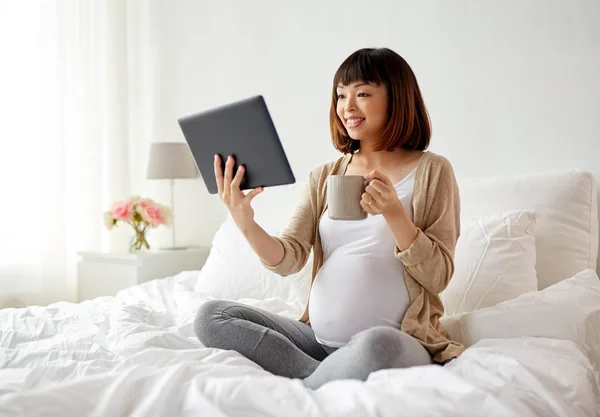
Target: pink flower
[
  {"x": 150, "y": 212},
  {"x": 123, "y": 210}
]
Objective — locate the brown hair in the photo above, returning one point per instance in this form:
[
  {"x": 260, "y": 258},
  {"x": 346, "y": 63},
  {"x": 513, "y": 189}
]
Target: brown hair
[{"x": 408, "y": 121}]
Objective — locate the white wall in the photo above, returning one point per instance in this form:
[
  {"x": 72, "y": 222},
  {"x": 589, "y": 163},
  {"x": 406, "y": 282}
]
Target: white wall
[{"x": 512, "y": 86}]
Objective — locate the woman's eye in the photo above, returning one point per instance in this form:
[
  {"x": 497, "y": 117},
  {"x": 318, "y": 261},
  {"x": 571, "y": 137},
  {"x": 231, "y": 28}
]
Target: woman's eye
[
  {"x": 363, "y": 95},
  {"x": 340, "y": 96}
]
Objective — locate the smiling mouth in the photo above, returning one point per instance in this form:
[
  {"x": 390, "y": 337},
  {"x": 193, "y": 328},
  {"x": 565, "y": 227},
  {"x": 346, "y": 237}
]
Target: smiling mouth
[{"x": 354, "y": 122}]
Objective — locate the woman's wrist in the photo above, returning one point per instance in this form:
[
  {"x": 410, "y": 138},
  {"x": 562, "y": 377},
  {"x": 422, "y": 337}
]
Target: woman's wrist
[
  {"x": 246, "y": 226},
  {"x": 402, "y": 227},
  {"x": 396, "y": 212}
]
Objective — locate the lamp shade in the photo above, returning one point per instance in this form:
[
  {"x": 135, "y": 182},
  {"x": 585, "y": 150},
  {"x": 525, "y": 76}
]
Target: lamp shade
[{"x": 170, "y": 160}]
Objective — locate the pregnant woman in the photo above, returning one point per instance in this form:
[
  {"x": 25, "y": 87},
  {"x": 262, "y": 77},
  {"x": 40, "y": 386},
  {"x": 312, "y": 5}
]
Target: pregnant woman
[{"x": 374, "y": 301}]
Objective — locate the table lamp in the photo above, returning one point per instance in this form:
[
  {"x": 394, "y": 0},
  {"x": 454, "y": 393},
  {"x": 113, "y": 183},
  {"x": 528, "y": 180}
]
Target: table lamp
[{"x": 171, "y": 160}]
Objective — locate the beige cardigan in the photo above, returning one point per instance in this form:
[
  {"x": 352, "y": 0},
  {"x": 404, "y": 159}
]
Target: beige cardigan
[{"x": 428, "y": 262}]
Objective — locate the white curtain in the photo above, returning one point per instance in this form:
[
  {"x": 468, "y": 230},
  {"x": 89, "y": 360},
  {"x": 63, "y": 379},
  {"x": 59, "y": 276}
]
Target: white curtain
[{"x": 72, "y": 139}]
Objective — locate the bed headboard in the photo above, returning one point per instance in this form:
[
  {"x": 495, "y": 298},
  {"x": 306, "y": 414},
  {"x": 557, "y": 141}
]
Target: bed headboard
[{"x": 567, "y": 227}]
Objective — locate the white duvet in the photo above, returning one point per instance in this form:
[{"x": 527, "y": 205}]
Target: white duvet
[{"x": 136, "y": 355}]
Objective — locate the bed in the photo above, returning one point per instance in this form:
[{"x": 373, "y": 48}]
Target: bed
[{"x": 526, "y": 303}]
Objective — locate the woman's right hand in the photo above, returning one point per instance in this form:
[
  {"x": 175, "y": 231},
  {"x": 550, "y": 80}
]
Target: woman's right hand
[{"x": 234, "y": 198}]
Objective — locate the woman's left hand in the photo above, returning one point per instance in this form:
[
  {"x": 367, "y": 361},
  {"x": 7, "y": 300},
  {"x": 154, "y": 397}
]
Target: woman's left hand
[{"x": 380, "y": 196}]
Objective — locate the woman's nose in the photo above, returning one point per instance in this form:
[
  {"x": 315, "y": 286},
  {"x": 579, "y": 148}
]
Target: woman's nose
[{"x": 350, "y": 104}]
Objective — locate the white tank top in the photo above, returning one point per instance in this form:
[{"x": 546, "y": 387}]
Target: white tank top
[{"x": 361, "y": 283}]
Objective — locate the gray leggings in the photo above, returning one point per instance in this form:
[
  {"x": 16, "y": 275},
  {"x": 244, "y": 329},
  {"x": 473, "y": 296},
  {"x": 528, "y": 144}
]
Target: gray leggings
[{"x": 288, "y": 347}]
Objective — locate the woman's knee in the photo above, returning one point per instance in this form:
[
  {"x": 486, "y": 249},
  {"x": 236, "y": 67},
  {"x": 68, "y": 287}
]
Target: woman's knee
[
  {"x": 378, "y": 338},
  {"x": 207, "y": 319},
  {"x": 387, "y": 347}
]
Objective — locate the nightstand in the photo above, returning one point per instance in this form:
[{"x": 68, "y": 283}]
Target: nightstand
[{"x": 104, "y": 274}]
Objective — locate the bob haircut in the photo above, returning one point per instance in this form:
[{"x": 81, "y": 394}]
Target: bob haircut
[{"x": 408, "y": 124}]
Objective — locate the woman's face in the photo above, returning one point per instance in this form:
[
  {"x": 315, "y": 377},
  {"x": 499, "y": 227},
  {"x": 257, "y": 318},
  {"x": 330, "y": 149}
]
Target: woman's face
[{"x": 363, "y": 109}]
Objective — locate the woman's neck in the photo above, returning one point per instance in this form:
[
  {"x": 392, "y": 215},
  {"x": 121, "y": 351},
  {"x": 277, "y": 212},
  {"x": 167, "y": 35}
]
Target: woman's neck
[{"x": 371, "y": 159}]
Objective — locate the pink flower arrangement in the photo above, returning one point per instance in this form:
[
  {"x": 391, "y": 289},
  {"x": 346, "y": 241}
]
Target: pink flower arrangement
[{"x": 140, "y": 213}]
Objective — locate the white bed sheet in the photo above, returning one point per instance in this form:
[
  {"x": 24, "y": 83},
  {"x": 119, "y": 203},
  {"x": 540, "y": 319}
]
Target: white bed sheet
[{"x": 135, "y": 354}]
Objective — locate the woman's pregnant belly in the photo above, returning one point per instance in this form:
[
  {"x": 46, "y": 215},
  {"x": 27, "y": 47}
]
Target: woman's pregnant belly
[{"x": 353, "y": 292}]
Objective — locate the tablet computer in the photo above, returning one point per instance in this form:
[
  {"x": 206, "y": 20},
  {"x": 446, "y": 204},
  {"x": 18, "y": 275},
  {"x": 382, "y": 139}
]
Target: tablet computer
[{"x": 245, "y": 130}]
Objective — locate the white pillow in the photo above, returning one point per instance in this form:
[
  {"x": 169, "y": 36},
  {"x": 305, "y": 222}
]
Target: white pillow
[
  {"x": 569, "y": 310},
  {"x": 566, "y": 237},
  {"x": 494, "y": 261},
  {"x": 233, "y": 271}
]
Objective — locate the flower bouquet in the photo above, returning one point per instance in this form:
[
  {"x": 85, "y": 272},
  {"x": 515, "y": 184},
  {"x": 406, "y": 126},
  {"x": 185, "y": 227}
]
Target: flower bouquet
[{"x": 141, "y": 214}]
